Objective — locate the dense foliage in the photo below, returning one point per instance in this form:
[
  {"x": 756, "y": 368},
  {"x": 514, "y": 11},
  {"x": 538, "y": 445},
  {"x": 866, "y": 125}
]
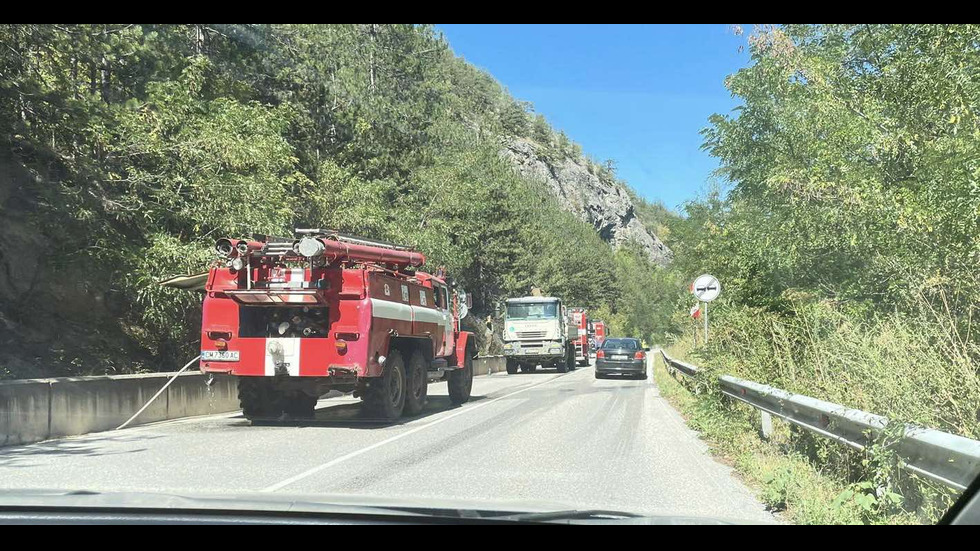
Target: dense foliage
[
  {"x": 849, "y": 238},
  {"x": 143, "y": 143}
]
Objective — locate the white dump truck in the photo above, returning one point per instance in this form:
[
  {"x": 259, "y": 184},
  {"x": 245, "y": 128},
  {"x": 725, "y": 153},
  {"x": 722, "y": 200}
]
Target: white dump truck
[{"x": 538, "y": 331}]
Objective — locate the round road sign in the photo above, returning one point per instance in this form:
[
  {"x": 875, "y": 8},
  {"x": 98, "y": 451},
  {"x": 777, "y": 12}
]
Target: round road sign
[{"x": 706, "y": 288}]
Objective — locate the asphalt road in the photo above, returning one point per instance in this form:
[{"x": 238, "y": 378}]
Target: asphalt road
[{"x": 542, "y": 437}]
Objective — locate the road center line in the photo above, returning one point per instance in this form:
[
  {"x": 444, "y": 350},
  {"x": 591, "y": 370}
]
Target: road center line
[{"x": 362, "y": 451}]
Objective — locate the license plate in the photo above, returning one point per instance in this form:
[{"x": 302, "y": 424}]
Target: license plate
[
  {"x": 220, "y": 355},
  {"x": 620, "y": 357}
]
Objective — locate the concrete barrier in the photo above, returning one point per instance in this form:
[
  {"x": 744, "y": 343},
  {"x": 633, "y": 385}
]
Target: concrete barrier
[
  {"x": 486, "y": 365},
  {"x": 38, "y": 409},
  {"x": 189, "y": 396},
  {"x": 24, "y": 411},
  {"x": 32, "y": 410}
]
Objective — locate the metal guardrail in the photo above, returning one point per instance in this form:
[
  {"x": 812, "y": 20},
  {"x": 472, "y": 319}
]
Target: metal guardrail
[
  {"x": 946, "y": 458},
  {"x": 677, "y": 366}
]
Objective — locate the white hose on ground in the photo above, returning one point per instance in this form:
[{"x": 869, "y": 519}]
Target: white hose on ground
[{"x": 157, "y": 395}]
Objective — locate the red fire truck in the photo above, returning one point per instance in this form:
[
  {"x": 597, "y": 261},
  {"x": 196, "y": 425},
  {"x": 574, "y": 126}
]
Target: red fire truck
[
  {"x": 599, "y": 332},
  {"x": 293, "y": 318},
  {"x": 580, "y": 318}
]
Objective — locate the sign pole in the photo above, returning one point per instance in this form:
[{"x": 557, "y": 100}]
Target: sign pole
[{"x": 705, "y": 323}]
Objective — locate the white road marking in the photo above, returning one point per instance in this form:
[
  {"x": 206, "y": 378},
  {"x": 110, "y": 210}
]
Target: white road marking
[{"x": 362, "y": 451}]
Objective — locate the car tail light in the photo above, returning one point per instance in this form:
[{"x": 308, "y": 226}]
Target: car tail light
[
  {"x": 600, "y": 353},
  {"x": 640, "y": 356}
]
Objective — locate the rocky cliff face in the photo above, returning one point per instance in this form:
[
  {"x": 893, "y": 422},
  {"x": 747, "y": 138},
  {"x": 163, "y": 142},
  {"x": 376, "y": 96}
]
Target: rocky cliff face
[{"x": 605, "y": 205}]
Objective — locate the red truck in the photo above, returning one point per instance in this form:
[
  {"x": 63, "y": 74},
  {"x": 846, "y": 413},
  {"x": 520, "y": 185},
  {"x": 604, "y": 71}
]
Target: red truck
[
  {"x": 580, "y": 317},
  {"x": 599, "y": 332},
  {"x": 293, "y": 318}
]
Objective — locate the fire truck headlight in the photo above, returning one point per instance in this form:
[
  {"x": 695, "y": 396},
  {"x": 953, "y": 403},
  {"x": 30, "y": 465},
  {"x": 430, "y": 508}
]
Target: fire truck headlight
[
  {"x": 237, "y": 264},
  {"x": 283, "y": 327}
]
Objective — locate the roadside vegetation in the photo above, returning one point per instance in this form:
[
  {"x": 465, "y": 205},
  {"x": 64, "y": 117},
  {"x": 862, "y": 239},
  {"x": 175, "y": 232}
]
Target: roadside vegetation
[
  {"x": 847, "y": 238},
  {"x": 786, "y": 479},
  {"x": 128, "y": 149}
]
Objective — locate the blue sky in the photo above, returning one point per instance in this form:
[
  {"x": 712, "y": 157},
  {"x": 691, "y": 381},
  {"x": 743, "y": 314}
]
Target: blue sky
[{"x": 635, "y": 94}]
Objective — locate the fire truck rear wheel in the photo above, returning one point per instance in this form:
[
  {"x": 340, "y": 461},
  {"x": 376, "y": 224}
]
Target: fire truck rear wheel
[
  {"x": 512, "y": 367},
  {"x": 258, "y": 398},
  {"x": 300, "y": 405},
  {"x": 386, "y": 395},
  {"x": 418, "y": 384},
  {"x": 461, "y": 382}
]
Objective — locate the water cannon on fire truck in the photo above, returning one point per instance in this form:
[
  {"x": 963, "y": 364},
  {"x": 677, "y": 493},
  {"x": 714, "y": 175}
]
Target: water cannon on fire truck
[{"x": 293, "y": 318}]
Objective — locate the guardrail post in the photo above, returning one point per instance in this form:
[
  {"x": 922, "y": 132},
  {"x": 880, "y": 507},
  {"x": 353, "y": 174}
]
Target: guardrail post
[{"x": 766, "y": 421}]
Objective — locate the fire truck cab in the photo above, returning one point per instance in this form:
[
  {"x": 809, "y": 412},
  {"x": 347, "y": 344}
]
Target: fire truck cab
[{"x": 293, "y": 318}]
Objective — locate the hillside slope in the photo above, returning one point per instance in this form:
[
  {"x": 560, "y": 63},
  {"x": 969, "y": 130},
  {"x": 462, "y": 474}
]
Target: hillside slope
[{"x": 130, "y": 148}]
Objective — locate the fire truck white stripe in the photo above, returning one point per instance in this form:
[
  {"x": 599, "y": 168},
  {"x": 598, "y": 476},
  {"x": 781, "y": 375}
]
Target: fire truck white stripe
[
  {"x": 391, "y": 310},
  {"x": 290, "y": 355},
  {"x": 428, "y": 315}
]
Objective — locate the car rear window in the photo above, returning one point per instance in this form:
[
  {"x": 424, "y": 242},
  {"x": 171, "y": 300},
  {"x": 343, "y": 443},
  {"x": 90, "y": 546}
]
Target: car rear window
[{"x": 628, "y": 344}]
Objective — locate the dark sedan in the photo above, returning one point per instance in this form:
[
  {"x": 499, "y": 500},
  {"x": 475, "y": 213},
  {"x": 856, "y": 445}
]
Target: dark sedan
[{"x": 621, "y": 357}]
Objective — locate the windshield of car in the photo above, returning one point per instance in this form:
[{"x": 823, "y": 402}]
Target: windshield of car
[
  {"x": 376, "y": 265},
  {"x": 532, "y": 311}
]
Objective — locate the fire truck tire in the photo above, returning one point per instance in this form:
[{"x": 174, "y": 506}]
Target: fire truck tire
[
  {"x": 386, "y": 396},
  {"x": 582, "y": 363},
  {"x": 461, "y": 382},
  {"x": 511, "y": 367},
  {"x": 258, "y": 398},
  {"x": 418, "y": 384},
  {"x": 300, "y": 405}
]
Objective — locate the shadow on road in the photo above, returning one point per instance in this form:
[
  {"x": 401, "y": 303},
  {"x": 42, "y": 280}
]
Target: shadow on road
[
  {"x": 19, "y": 456},
  {"x": 354, "y": 415}
]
